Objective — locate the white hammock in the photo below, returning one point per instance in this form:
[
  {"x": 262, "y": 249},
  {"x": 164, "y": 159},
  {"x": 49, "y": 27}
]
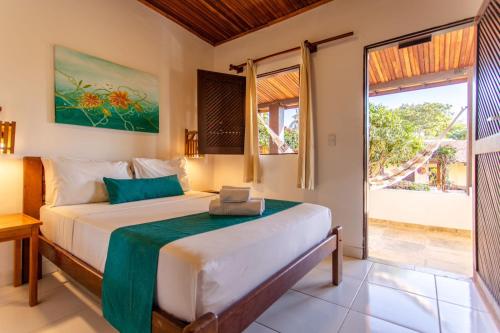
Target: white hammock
[
  {"x": 283, "y": 148},
  {"x": 398, "y": 174}
]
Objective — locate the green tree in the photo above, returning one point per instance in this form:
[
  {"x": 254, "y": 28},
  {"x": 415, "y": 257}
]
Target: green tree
[
  {"x": 393, "y": 139},
  {"x": 444, "y": 156},
  {"x": 427, "y": 119},
  {"x": 264, "y": 138},
  {"x": 458, "y": 132},
  {"x": 292, "y": 138}
]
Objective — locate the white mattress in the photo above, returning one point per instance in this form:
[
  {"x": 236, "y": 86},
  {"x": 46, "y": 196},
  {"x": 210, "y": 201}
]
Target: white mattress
[{"x": 201, "y": 273}]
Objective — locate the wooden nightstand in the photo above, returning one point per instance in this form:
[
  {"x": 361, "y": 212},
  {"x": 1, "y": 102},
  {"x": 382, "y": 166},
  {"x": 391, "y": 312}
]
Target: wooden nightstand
[{"x": 16, "y": 227}]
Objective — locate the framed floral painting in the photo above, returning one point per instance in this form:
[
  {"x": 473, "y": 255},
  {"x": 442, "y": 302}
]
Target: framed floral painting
[{"x": 90, "y": 91}]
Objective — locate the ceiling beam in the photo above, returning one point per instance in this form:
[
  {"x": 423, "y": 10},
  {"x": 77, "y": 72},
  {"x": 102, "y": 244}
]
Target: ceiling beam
[
  {"x": 420, "y": 82},
  {"x": 286, "y": 103},
  {"x": 418, "y": 87}
]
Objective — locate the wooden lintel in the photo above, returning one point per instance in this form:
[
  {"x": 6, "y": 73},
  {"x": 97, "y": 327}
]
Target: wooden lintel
[
  {"x": 420, "y": 81},
  {"x": 282, "y": 102},
  {"x": 417, "y": 87}
]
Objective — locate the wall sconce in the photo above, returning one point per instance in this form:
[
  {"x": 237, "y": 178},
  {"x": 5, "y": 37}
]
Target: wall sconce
[
  {"x": 7, "y": 137},
  {"x": 191, "y": 144}
]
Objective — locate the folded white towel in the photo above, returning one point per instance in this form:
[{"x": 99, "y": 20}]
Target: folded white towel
[
  {"x": 234, "y": 194},
  {"x": 252, "y": 207}
]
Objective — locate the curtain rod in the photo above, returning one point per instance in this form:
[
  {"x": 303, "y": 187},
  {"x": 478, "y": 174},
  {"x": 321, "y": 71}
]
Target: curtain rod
[{"x": 313, "y": 47}]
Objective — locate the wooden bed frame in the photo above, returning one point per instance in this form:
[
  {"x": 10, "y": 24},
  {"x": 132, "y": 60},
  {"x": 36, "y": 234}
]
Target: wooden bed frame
[{"x": 234, "y": 319}]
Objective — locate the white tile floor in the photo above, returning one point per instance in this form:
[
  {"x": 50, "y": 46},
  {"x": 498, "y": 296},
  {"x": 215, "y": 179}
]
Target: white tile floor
[{"x": 372, "y": 298}]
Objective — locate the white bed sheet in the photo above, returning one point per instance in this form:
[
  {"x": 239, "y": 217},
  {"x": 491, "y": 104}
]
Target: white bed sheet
[{"x": 198, "y": 274}]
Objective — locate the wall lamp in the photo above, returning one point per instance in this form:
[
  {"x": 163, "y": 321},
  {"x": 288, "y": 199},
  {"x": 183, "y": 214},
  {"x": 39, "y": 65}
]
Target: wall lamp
[{"x": 7, "y": 137}]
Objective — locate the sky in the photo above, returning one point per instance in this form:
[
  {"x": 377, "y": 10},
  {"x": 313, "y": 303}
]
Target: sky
[{"x": 455, "y": 94}]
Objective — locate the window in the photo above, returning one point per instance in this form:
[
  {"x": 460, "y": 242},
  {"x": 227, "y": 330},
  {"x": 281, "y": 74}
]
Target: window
[{"x": 278, "y": 98}]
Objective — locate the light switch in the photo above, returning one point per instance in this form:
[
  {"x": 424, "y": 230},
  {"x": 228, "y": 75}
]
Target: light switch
[{"x": 332, "y": 140}]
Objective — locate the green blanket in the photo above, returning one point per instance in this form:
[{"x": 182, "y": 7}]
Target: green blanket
[{"x": 128, "y": 287}]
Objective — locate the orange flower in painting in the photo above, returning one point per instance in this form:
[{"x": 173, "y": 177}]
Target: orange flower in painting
[
  {"x": 90, "y": 100},
  {"x": 119, "y": 99}
]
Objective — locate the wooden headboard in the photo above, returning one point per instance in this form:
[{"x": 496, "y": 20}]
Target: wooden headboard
[{"x": 34, "y": 187}]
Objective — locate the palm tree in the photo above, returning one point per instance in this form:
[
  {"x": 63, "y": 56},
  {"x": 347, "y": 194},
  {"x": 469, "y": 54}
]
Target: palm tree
[{"x": 444, "y": 156}]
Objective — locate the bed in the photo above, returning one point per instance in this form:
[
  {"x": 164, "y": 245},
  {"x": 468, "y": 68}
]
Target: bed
[{"x": 219, "y": 281}]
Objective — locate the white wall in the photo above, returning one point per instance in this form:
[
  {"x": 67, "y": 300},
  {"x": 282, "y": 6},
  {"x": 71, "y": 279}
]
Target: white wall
[
  {"x": 447, "y": 210},
  {"x": 122, "y": 31},
  {"x": 338, "y": 94}
]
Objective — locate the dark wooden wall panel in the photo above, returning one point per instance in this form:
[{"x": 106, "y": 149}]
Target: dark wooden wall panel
[
  {"x": 488, "y": 220},
  {"x": 488, "y": 72},
  {"x": 221, "y": 113}
]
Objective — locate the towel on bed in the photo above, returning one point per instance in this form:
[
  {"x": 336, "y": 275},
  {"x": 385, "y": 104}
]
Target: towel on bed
[
  {"x": 234, "y": 194},
  {"x": 251, "y": 207}
]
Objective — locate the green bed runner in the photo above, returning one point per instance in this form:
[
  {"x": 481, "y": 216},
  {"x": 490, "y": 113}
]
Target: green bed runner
[{"x": 128, "y": 287}]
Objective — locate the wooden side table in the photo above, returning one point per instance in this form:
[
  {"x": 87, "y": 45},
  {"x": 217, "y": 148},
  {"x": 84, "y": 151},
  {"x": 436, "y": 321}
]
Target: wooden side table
[
  {"x": 16, "y": 227},
  {"x": 211, "y": 191}
]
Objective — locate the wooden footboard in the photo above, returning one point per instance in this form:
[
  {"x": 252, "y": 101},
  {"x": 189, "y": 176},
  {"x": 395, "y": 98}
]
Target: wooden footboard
[{"x": 239, "y": 315}]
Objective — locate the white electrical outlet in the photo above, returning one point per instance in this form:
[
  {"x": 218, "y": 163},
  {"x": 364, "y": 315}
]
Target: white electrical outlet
[{"x": 332, "y": 140}]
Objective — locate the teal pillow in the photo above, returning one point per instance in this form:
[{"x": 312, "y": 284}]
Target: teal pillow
[{"x": 127, "y": 190}]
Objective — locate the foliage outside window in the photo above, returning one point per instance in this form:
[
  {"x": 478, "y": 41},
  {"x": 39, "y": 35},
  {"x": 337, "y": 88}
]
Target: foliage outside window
[
  {"x": 264, "y": 138},
  {"x": 278, "y": 97}
]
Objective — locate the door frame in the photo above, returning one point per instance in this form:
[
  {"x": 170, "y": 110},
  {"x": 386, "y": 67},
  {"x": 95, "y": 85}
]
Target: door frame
[{"x": 366, "y": 50}]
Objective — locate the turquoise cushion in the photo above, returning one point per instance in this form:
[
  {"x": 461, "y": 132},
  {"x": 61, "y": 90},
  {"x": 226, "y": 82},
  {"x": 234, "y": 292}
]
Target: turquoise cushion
[{"x": 127, "y": 190}]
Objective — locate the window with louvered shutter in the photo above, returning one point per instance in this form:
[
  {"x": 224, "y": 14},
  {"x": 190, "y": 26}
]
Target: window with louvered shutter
[{"x": 221, "y": 113}]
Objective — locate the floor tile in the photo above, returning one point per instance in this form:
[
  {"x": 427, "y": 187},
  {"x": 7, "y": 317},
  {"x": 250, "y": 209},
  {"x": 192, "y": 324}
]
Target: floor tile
[
  {"x": 406, "y": 309},
  {"x": 459, "y": 319},
  {"x": 85, "y": 321},
  {"x": 461, "y": 292},
  {"x": 258, "y": 328},
  {"x": 318, "y": 283},
  {"x": 355, "y": 268},
  {"x": 356, "y": 322},
  {"x": 296, "y": 312},
  {"x": 54, "y": 306},
  {"x": 403, "y": 279},
  {"x": 438, "y": 272}
]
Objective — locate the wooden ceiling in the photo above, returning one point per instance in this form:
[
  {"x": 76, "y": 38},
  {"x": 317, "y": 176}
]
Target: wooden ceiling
[
  {"x": 278, "y": 88},
  {"x": 218, "y": 21},
  {"x": 446, "y": 52}
]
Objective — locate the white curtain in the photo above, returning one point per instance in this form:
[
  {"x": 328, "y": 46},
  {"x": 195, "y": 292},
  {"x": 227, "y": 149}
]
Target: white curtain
[
  {"x": 306, "y": 177},
  {"x": 251, "y": 158}
]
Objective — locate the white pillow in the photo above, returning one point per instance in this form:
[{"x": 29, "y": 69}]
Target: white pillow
[
  {"x": 153, "y": 168},
  {"x": 72, "y": 182}
]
